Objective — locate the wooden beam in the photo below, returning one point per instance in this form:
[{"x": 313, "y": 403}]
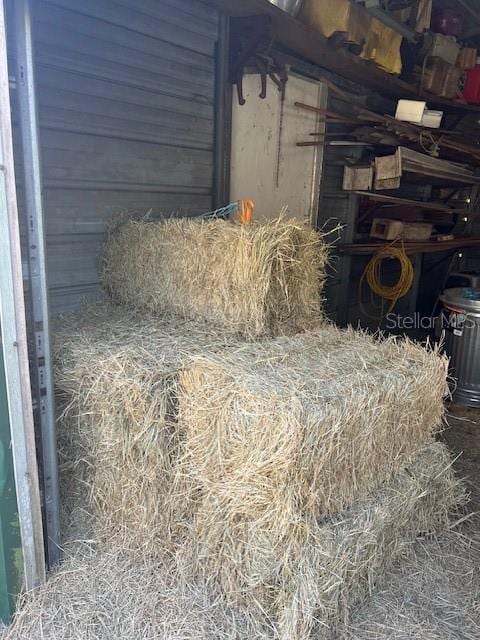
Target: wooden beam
[{"x": 309, "y": 44}]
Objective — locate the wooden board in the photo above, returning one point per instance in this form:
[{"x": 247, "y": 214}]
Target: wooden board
[{"x": 273, "y": 171}]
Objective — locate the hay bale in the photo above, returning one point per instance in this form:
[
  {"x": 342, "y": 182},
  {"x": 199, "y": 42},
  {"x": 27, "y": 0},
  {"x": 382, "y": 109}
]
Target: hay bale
[
  {"x": 116, "y": 377},
  {"x": 286, "y": 426},
  {"x": 251, "y": 279},
  {"x": 103, "y": 595},
  {"x": 120, "y": 596},
  {"x": 239, "y": 458},
  {"x": 311, "y": 572},
  {"x": 322, "y": 415},
  {"x": 432, "y": 594}
]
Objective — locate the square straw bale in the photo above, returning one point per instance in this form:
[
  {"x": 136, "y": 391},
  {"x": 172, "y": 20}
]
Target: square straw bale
[
  {"x": 311, "y": 572},
  {"x": 306, "y": 421},
  {"x": 116, "y": 380},
  {"x": 258, "y": 279}
]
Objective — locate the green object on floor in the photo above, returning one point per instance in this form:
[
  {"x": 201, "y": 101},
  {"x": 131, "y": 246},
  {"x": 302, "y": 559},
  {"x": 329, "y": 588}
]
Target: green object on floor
[{"x": 11, "y": 560}]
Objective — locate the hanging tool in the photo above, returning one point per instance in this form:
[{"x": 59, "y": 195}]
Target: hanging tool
[
  {"x": 280, "y": 133},
  {"x": 252, "y": 48}
]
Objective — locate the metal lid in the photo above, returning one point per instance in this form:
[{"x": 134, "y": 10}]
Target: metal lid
[{"x": 464, "y": 298}]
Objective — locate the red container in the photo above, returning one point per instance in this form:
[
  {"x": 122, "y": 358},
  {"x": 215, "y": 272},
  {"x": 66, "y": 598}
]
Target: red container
[
  {"x": 447, "y": 21},
  {"x": 471, "y": 91}
]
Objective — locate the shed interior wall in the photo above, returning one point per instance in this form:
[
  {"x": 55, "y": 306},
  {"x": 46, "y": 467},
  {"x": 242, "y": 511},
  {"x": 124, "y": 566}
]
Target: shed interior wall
[{"x": 126, "y": 115}]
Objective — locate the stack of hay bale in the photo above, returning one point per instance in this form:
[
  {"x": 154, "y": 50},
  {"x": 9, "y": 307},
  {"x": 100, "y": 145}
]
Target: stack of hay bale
[{"x": 214, "y": 415}]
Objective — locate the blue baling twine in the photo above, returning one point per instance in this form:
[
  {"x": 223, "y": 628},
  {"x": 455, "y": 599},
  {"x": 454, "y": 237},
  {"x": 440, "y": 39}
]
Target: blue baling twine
[{"x": 220, "y": 214}]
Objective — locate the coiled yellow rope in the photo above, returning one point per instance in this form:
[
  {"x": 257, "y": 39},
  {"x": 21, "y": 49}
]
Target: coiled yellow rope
[{"x": 393, "y": 293}]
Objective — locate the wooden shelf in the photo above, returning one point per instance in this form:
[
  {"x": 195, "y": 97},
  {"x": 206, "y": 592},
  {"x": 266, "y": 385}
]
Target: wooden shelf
[
  {"x": 307, "y": 43},
  {"x": 419, "y": 167},
  {"x": 427, "y": 206},
  {"x": 412, "y": 248}
]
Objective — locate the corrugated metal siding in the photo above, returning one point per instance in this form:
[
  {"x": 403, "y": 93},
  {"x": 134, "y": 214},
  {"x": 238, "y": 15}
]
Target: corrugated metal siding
[{"x": 126, "y": 108}]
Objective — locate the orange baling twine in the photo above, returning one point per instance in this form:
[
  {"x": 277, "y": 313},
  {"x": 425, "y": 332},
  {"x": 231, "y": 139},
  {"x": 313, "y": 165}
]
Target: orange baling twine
[{"x": 245, "y": 211}]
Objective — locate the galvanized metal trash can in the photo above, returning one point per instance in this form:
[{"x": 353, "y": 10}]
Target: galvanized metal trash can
[{"x": 460, "y": 320}]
